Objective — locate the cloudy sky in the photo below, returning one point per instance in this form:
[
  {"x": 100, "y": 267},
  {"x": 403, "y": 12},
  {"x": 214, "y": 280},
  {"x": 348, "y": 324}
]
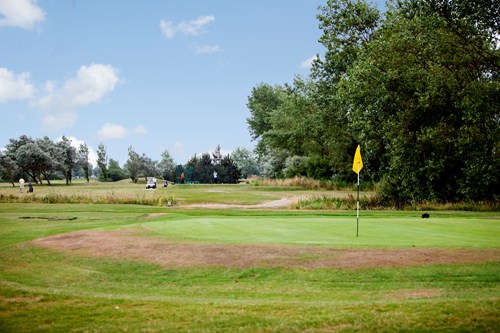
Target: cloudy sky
[{"x": 152, "y": 74}]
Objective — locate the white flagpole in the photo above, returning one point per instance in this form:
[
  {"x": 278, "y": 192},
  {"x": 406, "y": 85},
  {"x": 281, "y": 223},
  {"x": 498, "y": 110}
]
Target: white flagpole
[{"x": 357, "y": 207}]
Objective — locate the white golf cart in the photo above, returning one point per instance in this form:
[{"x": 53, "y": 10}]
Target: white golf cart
[{"x": 151, "y": 183}]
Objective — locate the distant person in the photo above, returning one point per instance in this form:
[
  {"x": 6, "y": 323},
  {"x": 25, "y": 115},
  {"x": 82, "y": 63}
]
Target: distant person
[
  {"x": 30, "y": 188},
  {"x": 215, "y": 177},
  {"x": 182, "y": 178},
  {"x": 21, "y": 185},
  {"x": 154, "y": 182},
  {"x": 165, "y": 183}
]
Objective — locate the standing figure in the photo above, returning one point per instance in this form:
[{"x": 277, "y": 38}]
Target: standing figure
[
  {"x": 182, "y": 178},
  {"x": 215, "y": 177},
  {"x": 21, "y": 185}
]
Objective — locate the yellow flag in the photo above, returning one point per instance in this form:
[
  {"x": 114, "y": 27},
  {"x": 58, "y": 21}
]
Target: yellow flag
[{"x": 357, "y": 165}]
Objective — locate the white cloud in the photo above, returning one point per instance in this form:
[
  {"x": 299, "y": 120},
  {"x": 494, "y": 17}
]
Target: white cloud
[
  {"x": 112, "y": 131},
  {"x": 167, "y": 28},
  {"x": 207, "y": 49},
  {"x": 188, "y": 28},
  {"x": 90, "y": 85},
  {"x": 115, "y": 131},
  {"x": 308, "y": 62},
  {"x": 14, "y": 86},
  {"x": 140, "y": 130},
  {"x": 20, "y": 13}
]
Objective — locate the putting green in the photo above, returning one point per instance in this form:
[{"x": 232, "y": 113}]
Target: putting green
[{"x": 379, "y": 231}]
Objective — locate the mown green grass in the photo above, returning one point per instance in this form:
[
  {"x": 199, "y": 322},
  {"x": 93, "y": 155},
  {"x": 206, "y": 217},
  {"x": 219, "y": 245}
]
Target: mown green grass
[
  {"x": 375, "y": 229},
  {"x": 44, "y": 290}
]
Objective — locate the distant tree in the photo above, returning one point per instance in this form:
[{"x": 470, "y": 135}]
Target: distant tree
[
  {"x": 167, "y": 166},
  {"x": 36, "y": 158},
  {"x": 68, "y": 158},
  {"x": 230, "y": 173},
  {"x": 115, "y": 172},
  {"x": 102, "y": 162},
  {"x": 8, "y": 169},
  {"x": 149, "y": 167},
  {"x": 83, "y": 160},
  {"x": 133, "y": 164},
  {"x": 217, "y": 156},
  {"x": 246, "y": 161},
  {"x": 53, "y": 158}
]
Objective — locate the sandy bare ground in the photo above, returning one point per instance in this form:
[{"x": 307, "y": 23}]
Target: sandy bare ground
[
  {"x": 129, "y": 244},
  {"x": 283, "y": 202}
]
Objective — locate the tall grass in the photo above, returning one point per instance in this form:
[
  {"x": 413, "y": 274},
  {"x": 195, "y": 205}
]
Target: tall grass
[
  {"x": 111, "y": 197},
  {"x": 326, "y": 202},
  {"x": 312, "y": 184}
]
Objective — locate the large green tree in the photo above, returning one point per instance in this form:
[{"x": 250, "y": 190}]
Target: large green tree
[{"x": 425, "y": 99}]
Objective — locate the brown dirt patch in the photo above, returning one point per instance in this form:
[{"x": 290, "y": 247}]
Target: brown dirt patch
[
  {"x": 129, "y": 244},
  {"x": 151, "y": 216}
]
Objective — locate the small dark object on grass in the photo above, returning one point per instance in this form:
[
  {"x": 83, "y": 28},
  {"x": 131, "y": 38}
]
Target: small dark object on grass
[
  {"x": 49, "y": 218},
  {"x": 425, "y": 216}
]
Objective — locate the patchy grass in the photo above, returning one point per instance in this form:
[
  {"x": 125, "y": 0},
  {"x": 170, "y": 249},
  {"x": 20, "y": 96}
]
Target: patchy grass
[{"x": 78, "y": 285}]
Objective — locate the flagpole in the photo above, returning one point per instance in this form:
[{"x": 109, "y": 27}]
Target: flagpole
[
  {"x": 357, "y": 165},
  {"x": 357, "y": 207}
]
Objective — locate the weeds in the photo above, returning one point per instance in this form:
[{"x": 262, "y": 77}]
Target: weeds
[
  {"x": 312, "y": 184},
  {"x": 111, "y": 197},
  {"x": 324, "y": 202}
]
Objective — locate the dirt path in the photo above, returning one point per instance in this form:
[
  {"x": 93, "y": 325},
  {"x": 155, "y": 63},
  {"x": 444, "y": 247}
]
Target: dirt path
[{"x": 128, "y": 244}]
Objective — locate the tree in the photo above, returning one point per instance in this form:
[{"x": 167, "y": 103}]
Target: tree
[
  {"x": 83, "y": 160},
  {"x": 425, "y": 96},
  {"x": 133, "y": 164},
  {"x": 115, "y": 172},
  {"x": 246, "y": 162},
  {"x": 216, "y": 155},
  {"x": 69, "y": 160},
  {"x": 102, "y": 162},
  {"x": 8, "y": 169},
  {"x": 148, "y": 166},
  {"x": 200, "y": 168},
  {"x": 230, "y": 173},
  {"x": 167, "y": 166}
]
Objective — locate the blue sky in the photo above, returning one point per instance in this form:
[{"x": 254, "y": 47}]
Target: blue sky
[{"x": 155, "y": 75}]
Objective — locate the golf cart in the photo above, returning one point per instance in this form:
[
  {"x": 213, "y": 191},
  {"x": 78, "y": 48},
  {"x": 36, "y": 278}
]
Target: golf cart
[{"x": 151, "y": 183}]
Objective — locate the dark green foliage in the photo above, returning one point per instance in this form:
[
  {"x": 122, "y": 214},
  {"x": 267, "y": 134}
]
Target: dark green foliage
[
  {"x": 115, "y": 172},
  {"x": 418, "y": 89},
  {"x": 201, "y": 169}
]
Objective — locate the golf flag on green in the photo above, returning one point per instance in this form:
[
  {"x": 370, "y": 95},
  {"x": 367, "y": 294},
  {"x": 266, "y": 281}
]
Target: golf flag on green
[{"x": 357, "y": 165}]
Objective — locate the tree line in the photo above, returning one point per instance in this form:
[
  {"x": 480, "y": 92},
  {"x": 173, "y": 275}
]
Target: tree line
[
  {"x": 42, "y": 160},
  {"x": 418, "y": 88}
]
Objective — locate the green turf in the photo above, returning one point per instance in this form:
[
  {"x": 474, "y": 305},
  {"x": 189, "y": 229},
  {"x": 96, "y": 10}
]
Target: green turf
[
  {"x": 44, "y": 290},
  {"x": 405, "y": 230}
]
